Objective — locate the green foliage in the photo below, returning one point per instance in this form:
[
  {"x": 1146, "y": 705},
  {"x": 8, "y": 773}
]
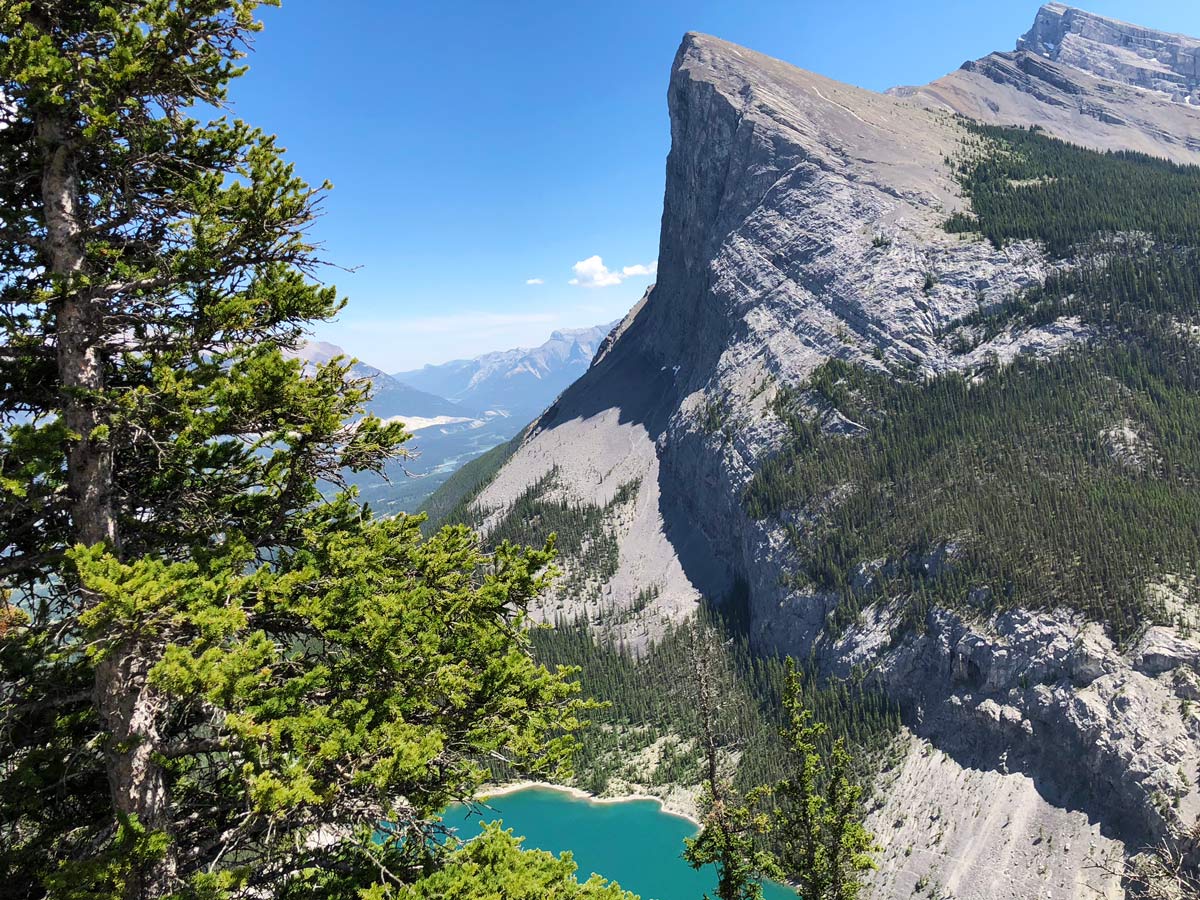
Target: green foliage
[
  {"x": 807, "y": 823},
  {"x": 732, "y": 838},
  {"x": 714, "y": 415},
  {"x": 312, "y": 692},
  {"x": 390, "y": 655},
  {"x": 216, "y": 678},
  {"x": 822, "y": 838},
  {"x": 1024, "y": 184},
  {"x": 961, "y": 223},
  {"x": 133, "y": 848},
  {"x": 493, "y": 867},
  {"x": 651, "y": 696},
  {"x": 584, "y": 532},
  {"x": 733, "y": 831}
]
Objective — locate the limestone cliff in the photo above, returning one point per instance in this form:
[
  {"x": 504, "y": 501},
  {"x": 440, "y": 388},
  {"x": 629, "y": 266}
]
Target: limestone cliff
[
  {"x": 802, "y": 221},
  {"x": 1087, "y": 79},
  {"x": 1116, "y": 51}
]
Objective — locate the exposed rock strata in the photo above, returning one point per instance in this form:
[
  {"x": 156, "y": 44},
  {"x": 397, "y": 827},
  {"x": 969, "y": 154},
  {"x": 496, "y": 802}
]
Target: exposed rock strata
[
  {"x": 1117, "y": 51},
  {"x": 1087, "y": 79}
]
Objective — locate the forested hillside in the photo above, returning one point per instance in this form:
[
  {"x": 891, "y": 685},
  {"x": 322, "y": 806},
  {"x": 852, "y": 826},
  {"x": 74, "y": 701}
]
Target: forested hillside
[
  {"x": 1063, "y": 481},
  {"x": 994, "y": 481},
  {"x": 651, "y": 698},
  {"x": 649, "y": 730}
]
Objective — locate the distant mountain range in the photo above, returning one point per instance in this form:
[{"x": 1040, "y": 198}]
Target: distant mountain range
[
  {"x": 393, "y": 397},
  {"x": 460, "y": 409},
  {"x": 521, "y": 381}
]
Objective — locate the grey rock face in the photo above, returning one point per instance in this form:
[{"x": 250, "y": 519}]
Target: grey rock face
[
  {"x": 1161, "y": 650},
  {"x": 1087, "y": 79},
  {"x": 1116, "y": 51},
  {"x": 801, "y": 218},
  {"x": 1090, "y": 658}
]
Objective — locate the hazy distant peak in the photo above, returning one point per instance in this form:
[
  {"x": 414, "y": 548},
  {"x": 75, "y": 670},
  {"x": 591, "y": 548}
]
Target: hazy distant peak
[
  {"x": 572, "y": 334},
  {"x": 317, "y": 352},
  {"x": 522, "y": 379}
]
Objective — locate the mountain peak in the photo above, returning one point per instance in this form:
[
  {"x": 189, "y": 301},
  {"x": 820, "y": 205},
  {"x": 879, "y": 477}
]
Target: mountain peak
[
  {"x": 803, "y": 223},
  {"x": 317, "y": 352},
  {"x": 1117, "y": 51}
]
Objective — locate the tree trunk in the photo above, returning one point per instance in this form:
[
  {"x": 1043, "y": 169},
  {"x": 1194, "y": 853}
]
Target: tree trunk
[
  {"x": 78, "y": 323},
  {"x": 129, "y": 708},
  {"x": 133, "y": 713}
]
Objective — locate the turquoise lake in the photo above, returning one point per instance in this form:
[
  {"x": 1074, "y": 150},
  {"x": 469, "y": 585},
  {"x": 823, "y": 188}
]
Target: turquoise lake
[{"x": 633, "y": 843}]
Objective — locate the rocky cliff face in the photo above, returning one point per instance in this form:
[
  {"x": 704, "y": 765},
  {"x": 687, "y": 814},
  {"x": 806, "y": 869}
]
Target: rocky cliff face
[
  {"x": 1116, "y": 51},
  {"x": 801, "y": 222},
  {"x": 1087, "y": 79}
]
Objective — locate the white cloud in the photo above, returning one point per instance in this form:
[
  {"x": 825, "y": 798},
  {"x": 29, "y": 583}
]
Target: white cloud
[
  {"x": 593, "y": 273},
  {"x": 633, "y": 271},
  {"x": 535, "y": 281}
]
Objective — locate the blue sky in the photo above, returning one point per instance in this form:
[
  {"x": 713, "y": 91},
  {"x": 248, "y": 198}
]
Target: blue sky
[{"x": 475, "y": 146}]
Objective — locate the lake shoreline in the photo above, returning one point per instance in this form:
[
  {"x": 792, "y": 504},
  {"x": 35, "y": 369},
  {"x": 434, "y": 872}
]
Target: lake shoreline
[
  {"x": 579, "y": 794},
  {"x": 554, "y": 841}
]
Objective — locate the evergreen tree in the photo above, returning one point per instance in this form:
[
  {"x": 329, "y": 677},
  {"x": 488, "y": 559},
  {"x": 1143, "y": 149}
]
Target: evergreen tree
[
  {"x": 823, "y": 842},
  {"x": 216, "y": 679},
  {"x": 730, "y": 839},
  {"x": 732, "y": 832},
  {"x": 493, "y": 867}
]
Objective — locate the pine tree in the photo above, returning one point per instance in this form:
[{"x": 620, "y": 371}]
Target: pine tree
[
  {"x": 823, "y": 842},
  {"x": 496, "y": 859},
  {"x": 733, "y": 828},
  {"x": 220, "y": 674}
]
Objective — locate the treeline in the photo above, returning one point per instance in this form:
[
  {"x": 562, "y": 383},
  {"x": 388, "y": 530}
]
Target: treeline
[
  {"x": 652, "y": 696},
  {"x": 1024, "y": 184}
]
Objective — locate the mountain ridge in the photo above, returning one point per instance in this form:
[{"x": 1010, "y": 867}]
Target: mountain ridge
[
  {"x": 495, "y": 397},
  {"x": 1071, "y": 90},
  {"x": 522, "y": 380},
  {"x": 1119, "y": 51},
  {"x": 392, "y": 397}
]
